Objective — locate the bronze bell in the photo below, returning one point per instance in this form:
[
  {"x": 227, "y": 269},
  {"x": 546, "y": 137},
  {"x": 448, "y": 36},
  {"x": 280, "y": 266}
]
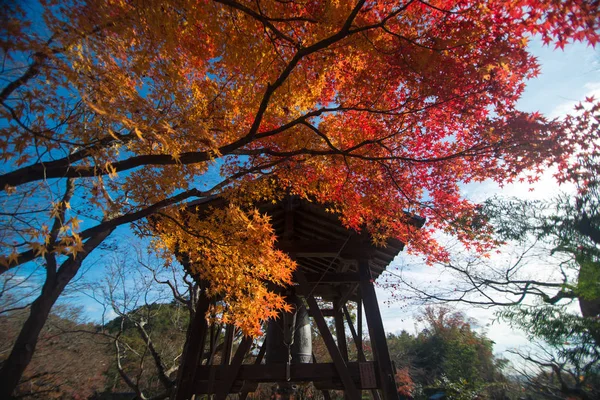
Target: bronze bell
[{"x": 290, "y": 330}]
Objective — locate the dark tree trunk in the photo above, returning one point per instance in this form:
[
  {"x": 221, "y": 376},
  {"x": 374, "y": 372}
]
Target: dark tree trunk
[
  {"x": 193, "y": 349},
  {"x": 24, "y": 347}
]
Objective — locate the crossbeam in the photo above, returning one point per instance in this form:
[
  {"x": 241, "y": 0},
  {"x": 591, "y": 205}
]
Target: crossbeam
[
  {"x": 325, "y": 372},
  {"x": 326, "y": 248}
]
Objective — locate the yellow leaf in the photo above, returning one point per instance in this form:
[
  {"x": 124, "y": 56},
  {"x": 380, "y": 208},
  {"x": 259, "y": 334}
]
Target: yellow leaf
[
  {"x": 75, "y": 223},
  {"x": 40, "y": 250},
  {"x": 112, "y": 171},
  {"x": 13, "y": 257}
]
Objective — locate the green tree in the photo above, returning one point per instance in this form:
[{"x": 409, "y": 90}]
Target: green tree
[
  {"x": 147, "y": 343},
  {"x": 448, "y": 355},
  {"x": 571, "y": 225},
  {"x": 154, "y": 304}
]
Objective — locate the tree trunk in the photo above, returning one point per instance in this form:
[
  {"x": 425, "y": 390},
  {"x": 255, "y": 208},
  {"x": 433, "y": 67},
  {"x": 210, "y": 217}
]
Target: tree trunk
[{"x": 24, "y": 347}]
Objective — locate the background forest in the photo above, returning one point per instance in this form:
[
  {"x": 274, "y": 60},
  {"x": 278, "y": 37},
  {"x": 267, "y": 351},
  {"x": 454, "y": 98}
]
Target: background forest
[
  {"x": 79, "y": 361},
  {"x": 138, "y": 351}
]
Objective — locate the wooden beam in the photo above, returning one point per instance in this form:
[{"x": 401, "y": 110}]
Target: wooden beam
[
  {"x": 377, "y": 333},
  {"x": 359, "y": 323},
  {"x": 361, "y": 355},
  {"x": 340, "y": 333},
  {"x": 346, "y": 294},
  {"x": 193, "y": 350},
  {"x": 327, "y": 312},
  {"x": 358, "y": 343},
  {"x": 277, "y": 373},
  {"x": 351, "y": 392},
  {"x": 240, "y": 386},
  {"x": 327, "y": 297},
  {"x": 326, "y": 248},
  {"x": 233, "y": 369},
  {"x": 341, "y": 277},
  {"x": 213, "y": 342},
  {"x": 227, "y": 345}
]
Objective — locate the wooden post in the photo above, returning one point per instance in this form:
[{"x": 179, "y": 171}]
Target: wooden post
[
  {"x": 359, "y": 350},
  {"x": 377, "y": 333},
  {"x": 340, "y": 332},
  {"x": 215, "y": 332},
  {"x": 233, "y": 368},
  {"x": 340, "y": 365},
  {"x": 359, "y": 323},
  {"x": 259, "y": 358},
  {"x": 227, "y": 345},
  {"x": 326, "y": 394},
  {"x": 193, "y": 350}
]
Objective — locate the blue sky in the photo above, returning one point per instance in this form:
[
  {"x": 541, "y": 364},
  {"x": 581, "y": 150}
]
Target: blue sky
[{"x": 567, "y": 76}]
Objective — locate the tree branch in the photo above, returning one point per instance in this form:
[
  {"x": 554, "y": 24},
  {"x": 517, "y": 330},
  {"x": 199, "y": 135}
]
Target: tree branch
[
  {"x": 164, "y": 379},
  {"x": 34, "y": 69}
]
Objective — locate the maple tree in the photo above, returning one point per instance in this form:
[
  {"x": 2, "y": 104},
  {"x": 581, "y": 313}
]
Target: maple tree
[
  {"x": 114, "y": 110},
  {"x": 544, "y": 280}
]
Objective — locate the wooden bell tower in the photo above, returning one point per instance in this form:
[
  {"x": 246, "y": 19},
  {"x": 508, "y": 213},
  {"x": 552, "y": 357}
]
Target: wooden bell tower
[{"x": 335, "y": 265}]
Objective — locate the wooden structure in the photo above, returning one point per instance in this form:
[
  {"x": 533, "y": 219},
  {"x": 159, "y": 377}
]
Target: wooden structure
[{"x": 334, "y": 264}]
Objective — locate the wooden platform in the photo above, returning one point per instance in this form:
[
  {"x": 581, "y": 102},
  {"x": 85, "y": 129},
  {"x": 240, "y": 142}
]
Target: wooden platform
[{"x": 326, "y": 373}]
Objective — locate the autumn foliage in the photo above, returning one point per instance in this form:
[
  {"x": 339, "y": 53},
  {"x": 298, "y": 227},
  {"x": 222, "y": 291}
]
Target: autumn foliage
[
  {"x": 233, "y": 250},
  {"x": 404, "y": 382},
  {"x": 116, "y": 109}
]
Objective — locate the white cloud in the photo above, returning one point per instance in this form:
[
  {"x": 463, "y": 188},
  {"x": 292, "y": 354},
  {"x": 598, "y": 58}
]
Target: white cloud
[
  {"x": 543, "y": 189},
  {"x": 567, "y": 106},
  {"x": 109, "y": 315}
]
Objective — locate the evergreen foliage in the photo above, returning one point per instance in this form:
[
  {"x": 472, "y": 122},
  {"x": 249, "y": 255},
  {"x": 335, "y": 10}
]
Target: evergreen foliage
[{"x": 448, "y": 356}]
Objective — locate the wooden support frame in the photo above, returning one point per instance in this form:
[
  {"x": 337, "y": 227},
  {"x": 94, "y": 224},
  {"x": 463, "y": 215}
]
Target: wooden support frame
[
  {"x": 352, "y": 392},
  {"x": 193, "y": 350},
  {"x": 377, "y": 333},
  {"x": 358, "y": 342},
  {"x": 327, "y": 255},
  {"x": 227, "y": 345},
  {"x": 340, "y": 332},
  {"x": 233, "y": 368},
  {"x": 259, "y": 358}
]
